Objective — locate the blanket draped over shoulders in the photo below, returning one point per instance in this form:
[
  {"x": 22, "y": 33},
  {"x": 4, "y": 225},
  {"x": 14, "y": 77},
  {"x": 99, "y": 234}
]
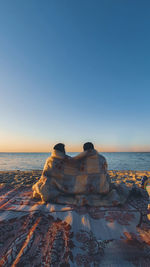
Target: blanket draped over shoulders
[{"x": 78, "y": 181}]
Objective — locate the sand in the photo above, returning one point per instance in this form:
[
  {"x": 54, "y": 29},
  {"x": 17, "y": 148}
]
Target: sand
[
  {"x": 28, "y": 178},
  {"x": 112, "y": 236}
]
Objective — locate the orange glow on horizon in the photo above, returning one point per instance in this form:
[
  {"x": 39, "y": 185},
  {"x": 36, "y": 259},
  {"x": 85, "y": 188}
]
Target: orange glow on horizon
[
  {"x": 28, "y": 148},
  {"x": 24, "y": 144}
]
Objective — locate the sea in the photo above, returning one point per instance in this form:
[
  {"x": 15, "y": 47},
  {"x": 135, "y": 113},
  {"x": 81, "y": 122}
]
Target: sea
[{"x": 35, "y": 161}]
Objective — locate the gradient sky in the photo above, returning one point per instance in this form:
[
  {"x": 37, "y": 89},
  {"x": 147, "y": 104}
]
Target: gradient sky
[{"x": 74, "y": 71}]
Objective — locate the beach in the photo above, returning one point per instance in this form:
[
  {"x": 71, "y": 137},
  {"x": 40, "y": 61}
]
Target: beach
[
  {"x": 33, "y": 232},
  {"x": 28, "y": 178}
]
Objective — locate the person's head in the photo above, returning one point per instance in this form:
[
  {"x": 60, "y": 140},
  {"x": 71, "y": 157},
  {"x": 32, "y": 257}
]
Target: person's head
[
  {"x": 88, "y": 146},
  {"x": 60, "y": 147}
]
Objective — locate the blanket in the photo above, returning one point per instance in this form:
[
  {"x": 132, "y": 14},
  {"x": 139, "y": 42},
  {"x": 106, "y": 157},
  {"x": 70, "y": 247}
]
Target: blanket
[
  {"x": 36, "y": 234},
  {"x": 84, "y": 180}
]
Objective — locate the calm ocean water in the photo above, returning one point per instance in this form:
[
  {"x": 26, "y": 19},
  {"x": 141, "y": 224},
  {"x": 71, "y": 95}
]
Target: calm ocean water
[{"x": 35, "y": 161}]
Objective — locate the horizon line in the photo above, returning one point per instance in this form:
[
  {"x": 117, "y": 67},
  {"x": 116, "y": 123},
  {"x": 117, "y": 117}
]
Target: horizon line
[{"x": 77, "y": 152}]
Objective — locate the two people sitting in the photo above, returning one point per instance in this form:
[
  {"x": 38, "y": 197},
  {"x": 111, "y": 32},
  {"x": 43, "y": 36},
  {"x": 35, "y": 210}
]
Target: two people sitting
[{"x": 78, "y": 180}]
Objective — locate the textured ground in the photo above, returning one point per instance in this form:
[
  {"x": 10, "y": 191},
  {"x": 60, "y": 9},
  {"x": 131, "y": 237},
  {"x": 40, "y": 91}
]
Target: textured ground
[
  {"x": 28, "y": 178},
  {"x": 37, "y": 234}
]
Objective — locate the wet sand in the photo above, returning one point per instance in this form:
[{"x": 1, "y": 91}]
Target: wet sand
[{"x": 28, "y": 178}]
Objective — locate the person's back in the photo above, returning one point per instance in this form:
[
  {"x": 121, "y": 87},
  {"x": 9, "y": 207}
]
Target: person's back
[
  {"x": 96, "y": 165},
  {"x": 55, "y": 161},
  {"x": 54, "y": 166},
  {"x": 79, "y": 181}
]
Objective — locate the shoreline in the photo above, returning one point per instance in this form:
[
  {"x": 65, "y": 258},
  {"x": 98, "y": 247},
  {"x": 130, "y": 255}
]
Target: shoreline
[{"x": 28, "y": 178}]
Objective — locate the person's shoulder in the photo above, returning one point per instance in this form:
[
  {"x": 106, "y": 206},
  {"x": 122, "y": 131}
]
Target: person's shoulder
[
  {"x": 101, "y": 157},
  {"x": 58, "y": 155},
  {"x": 48, "y": 160}
]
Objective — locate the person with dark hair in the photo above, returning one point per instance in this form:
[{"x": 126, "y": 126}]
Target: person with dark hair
[
  {"x": 58, "y": 151},
  {"x": 99, "y": 163},
  {"x": 54, "y": 164},
  {"x": 89, "y": 151},
  {"x": 88, "y": 146},
  {"x": 79, "y": 180},
  {"x": 94, "y": 165},
  {"x": 60, "y": 147}
]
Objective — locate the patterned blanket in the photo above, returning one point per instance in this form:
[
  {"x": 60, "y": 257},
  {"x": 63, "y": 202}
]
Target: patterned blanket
[
  {"x": 36, "y": 234},
  {"x": 81, "y": 181}
]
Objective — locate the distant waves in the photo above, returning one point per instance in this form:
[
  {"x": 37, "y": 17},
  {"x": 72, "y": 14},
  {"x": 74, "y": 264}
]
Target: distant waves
[{"x": 35, "y": 161}]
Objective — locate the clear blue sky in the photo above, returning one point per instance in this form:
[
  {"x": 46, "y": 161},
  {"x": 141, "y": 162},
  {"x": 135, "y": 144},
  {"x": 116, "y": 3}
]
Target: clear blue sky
[{"x": 74, "y": 71}]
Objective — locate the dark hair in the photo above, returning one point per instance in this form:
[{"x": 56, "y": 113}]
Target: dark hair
[
  {"x": 88, "y": 146},
  {"x": 60, "y": 147}
]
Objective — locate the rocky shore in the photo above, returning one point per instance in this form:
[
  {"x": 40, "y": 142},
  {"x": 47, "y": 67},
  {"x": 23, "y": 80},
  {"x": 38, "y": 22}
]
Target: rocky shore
[{"x": 28, "y": 178}]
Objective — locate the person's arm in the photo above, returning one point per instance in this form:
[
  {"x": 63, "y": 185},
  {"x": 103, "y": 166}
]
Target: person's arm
[
  {"x": 46, "y": 168},
  {"x": 73, "y": 161},
  {"x": 80, "y": 156},
  {"x": 84, "y": 154}
]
